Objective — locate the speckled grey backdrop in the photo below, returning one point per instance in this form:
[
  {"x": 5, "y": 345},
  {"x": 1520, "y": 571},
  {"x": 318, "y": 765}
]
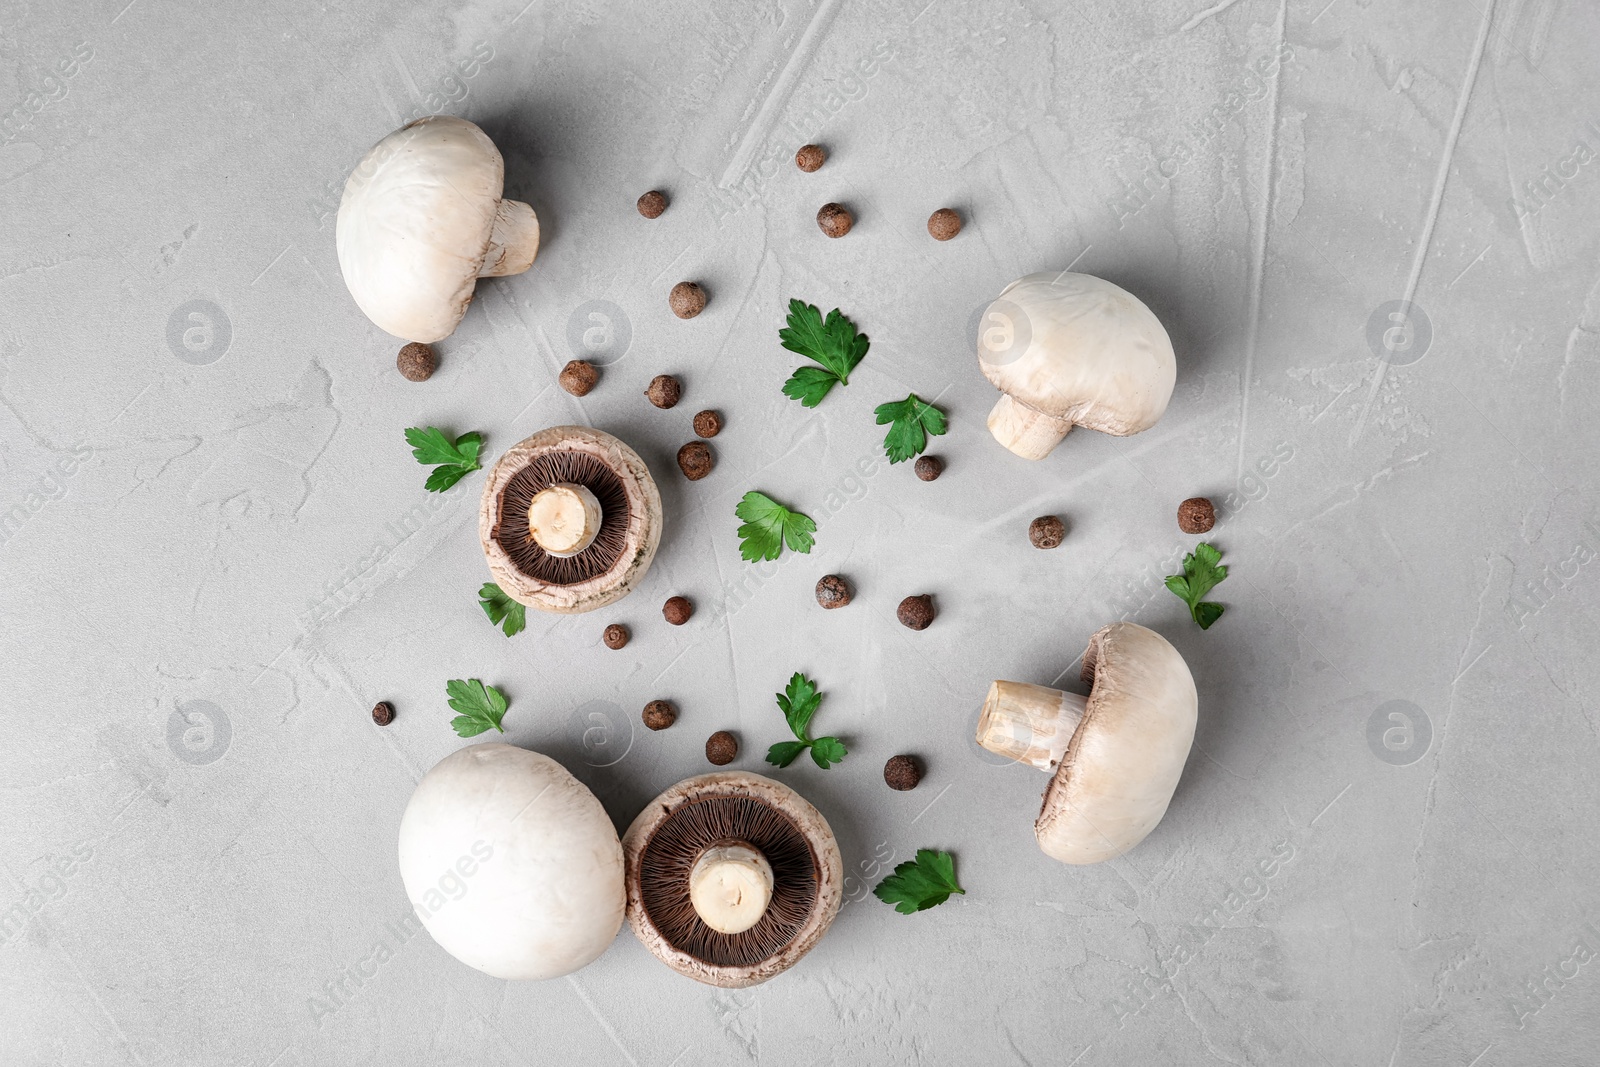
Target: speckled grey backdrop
[{"x": 217, "y": 555}]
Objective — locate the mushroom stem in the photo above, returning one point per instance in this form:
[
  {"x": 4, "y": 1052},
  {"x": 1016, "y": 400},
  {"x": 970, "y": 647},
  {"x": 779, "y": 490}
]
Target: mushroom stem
[
  {"x": 1031, "y": 724},
  {"x": 1028, "y": 432},
  {"x": 514, "y": 241},
  {"x": 564, "y": 519},
  {"x": 730, "y": 887}
]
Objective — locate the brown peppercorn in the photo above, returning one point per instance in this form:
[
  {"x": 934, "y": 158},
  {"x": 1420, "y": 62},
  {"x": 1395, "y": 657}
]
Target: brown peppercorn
[
  {"x": 1196, "y": 515},
  {"x": 664, "y": 391},
  {"x": 416, "y": 362},
  {"x": 722, "y": 748},
  {"x": 810, "y": 157},
  {"x": 929, "y": 467},
  {"x": 652, "y": 204},
  {"x": 677, "y": 610},
  {"x": 383, "y": 713},
  {"x": 687, "y": 299},
  {"x": 616, "y": 636},
  {"x": 658, "y": 715},
  {"x": 902, "y": 772},
  {"x": 707, "y": 424},
  {"x": 944, "y": 224},
  {"x": 578, "y": 377},
  {"x": 1047, "y": 531},
  {"x": 835, "y": 220},
  {"x": 694, "y": 460},
  {"x": 833, "y": 591},
  {"x": 916, "y": 611}
]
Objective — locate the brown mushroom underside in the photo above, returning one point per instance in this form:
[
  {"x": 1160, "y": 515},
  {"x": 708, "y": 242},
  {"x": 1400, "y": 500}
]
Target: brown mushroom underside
[{"x": 579, "y": 468}]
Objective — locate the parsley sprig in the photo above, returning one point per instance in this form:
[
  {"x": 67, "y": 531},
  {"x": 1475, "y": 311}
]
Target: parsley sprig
[
  {"x": 451, "y": 460},
  {"x": 799, "y": 703},
  {"x": 913, "y": 420},
  {"x": 1202, "y": 570},
  {"x": 833, "y": 342},
  {"x": 768, "y": 526},
  {"x": 919, "y": 884},
  {"x": 504, "y": 612},
  {"x": 481, "y": 707}
]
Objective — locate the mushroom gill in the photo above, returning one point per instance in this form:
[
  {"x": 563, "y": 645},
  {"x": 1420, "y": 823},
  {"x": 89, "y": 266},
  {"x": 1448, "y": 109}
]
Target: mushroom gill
[{"x": 541, "y": 472}]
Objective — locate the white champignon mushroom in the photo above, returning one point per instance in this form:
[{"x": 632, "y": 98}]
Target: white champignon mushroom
[
  {"x": 1072, "y": 350},
  {"x": 1116, "y": 754},
  {"x": 511, "y": 863},
  {"x": 422, "y": 220}
]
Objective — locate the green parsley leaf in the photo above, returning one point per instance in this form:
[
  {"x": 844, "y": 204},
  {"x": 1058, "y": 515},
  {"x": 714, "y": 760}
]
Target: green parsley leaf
[
  {"x": 832, "y": 342},
  {"x": 914, "y": 421},
  {"x": 920, "y": 884},
  {"x": 451, "y": 460},
  {"x": 481, "y": 707},
  {"x": 784, "y": 752},
  {"x": 799, "y": 702},
  {"x": 768, "y": 526},
  {"x": 826, "y": 751},
  {"x": 511, "y": 616},
  {"x": 1202, "y": 570}
]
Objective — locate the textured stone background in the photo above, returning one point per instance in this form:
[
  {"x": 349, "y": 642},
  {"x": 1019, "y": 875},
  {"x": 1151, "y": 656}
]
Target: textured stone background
[{"x": 217, "y": 553}]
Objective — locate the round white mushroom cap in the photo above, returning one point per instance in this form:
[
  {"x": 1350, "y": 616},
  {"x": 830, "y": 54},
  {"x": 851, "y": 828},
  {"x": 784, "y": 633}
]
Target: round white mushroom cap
[
  {"x": 511, "y": 863},
  {"x": 422, "y": 219}
]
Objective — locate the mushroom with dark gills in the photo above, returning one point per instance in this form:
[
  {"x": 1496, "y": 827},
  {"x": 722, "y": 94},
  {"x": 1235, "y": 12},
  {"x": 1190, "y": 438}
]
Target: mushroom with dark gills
[
  {"x": 1115, "y": 756},
  {"x": 731, "y": 878},
  {"x": 570, "y": 520}
]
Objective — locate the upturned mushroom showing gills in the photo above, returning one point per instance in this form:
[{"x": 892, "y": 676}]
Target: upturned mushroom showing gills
[
  {"x": 422, "y": 220},
  {"x": 731, "y": 878},
  {"x": 1072, "y": 350},
  {"x": 570, "y": 520},
  {"x": 1115, "y": 756},
  {"x": 511, "y": 863}
]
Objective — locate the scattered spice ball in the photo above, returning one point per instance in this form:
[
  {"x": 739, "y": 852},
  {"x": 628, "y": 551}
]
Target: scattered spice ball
[
  {"x": 1047, "y": 531},
  {"x": 658, "y": 715},
  {"x": 416, "y": 362},
  {"x": 687, "y": 299},
  {"x": 833, "y": 591},
  {"x": 1196, "y": 515},
  {"x": 929, "y": 467},
  {"x": 677, "y": 610},
  {"x": 652, "y": 204},
  {"x": 707, "y": 424},
  {"x": 722, "y": 748},
  {"x": 835, "y": 220},
  {"x": 664, "y": 391},
  {"x": 902, "y": 772},
  {"x": 383, "y": 713},
  {"x": 944, "y": 224},
  {"x": 694, "y": 459},
  {"x": 916, "y": 611},
  {"x": 810, "y": 157},
  {"x": 616, "y": 636},
  {"x": 578, "y": 377}
]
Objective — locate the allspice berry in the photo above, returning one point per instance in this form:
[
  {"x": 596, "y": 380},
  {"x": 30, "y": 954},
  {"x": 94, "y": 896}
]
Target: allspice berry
[
  {"x": 658, "y": 715},
  {"x": 677, "y": 610},
  {"x": 722, "y": 748},
  {"x": 707, "y": 424},
  {"x": 664, "y": 391},
  {"x": 929, "y": 467},
  {"x": 916, "y": 612},
  {"x": 616, "y": 636},
  {"x": 810, "y": 157},
  {"x": 383, "y": 713},
  {"x": 652, "y": 204},
  {"x": 694, "y": 460},
  {"x": 1196, "y": 515},
  {"x": 833, "y": 591},
  {"x": 944, "y": 224},
  {"x": 902, "y": 772},
  {"x": 416, "y": 362},
  {"x": 1047, "y": 531},
  {"x": 835, "y": 220},
  {"x": 578, "y": 377},
  {"x": 687, "y": 299}
]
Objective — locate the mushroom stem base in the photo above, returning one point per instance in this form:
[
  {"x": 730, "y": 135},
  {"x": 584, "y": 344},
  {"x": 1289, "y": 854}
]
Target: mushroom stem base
[
  {"x": 730, "y": 887},
  {"x": 1031, "y": 724},
  {"x": 1028, "y": 432},
  {"x": 514, "y": 241}
]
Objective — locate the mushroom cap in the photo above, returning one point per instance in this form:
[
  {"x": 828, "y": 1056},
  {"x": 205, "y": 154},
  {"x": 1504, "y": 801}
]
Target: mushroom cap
[
  {"x": 511, "y": 863},
  {"x": 1093, "y": 354},
  {"x": 812, "y": 856},
  {"x": 1125, "y": 759},
  {"x": 414, "y": 225}
]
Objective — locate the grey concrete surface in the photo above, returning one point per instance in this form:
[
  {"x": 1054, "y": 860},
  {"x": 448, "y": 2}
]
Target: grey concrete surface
[{"x": 216, "y": 554}]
